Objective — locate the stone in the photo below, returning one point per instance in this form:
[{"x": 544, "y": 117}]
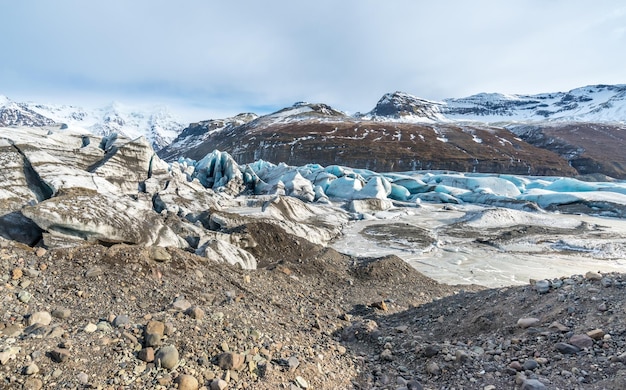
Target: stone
[
  {"x": 386, "y": 355},
  {"x": 16, "y": 273},
  {"x": 433, "y": 368},
  {"x": 146, "y": 354},
  {"x": 532, "y": 384},
  {"x": 40, "y": 317},
  {"x": 61, "y": 313},
  {"x": 461, "y": 356},
  {"x": 218, "y": 384},
  {"x": 559, "y": 326},
  {"x": 230, "y": 361},
  {"x": 380, "y": 305},
  {"x": 121, "y": 320},
  {"x": 152, "y": 340},
  {"x": 542, "y": 286},
  {"x": 181, "y": 304},
  {"x": 414, "y": 385},
  {"x": 528, "y": 322},
  {"x": 530, "y": 364},
  {"x": 293, "y": 363},
  {"x": 90, "y": 328},
  {"x": 567, "y": 349},
  {"x": 159, "y": 254},
  {"x": 93, "y": 272},
  {"x": 60, "y": 355},
  {"x": 5, "y": 356},
  {"x": 33, "y": 384},
  {"x": 167, "y": 357},
  {"x": 431, "y": 350},
  {"x": 186, "y": 382},
  {"x": 596, "y": 334},
  {"x": 516, "y": 365},
  {"x": 195, "y": 312},
  {"x": 157, "y": 327},
  {"x": 300, "y": 381},
  {"x": 40, "y": 252},
  {"x": 593, "y": 275},
  {"x": 581, "y": 341},
  {"x": 83, "y": 378},
  {"x": 24, "y": 296}
]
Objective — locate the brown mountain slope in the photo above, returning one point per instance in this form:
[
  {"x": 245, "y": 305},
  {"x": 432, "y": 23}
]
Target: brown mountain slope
[
  {"x": 589, "y": 147},
  {"x": 384, "y": 146}
]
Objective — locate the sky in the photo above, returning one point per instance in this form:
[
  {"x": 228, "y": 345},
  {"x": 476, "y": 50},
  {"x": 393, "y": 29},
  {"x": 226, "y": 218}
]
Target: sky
[{"x": 208, "y": 59}]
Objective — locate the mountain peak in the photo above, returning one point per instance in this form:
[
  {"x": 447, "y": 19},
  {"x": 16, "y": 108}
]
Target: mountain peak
[{"x": 401, "y": 106}]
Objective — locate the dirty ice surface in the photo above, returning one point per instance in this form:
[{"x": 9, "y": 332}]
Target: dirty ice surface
[{"x": 490, "y": 246}]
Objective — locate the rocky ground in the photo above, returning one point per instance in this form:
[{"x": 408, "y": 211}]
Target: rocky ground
[{"x": 127, "y": 317}]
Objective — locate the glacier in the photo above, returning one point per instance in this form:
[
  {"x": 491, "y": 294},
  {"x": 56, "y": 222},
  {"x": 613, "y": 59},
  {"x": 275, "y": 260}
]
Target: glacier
[{"x": 61, "y": 187}]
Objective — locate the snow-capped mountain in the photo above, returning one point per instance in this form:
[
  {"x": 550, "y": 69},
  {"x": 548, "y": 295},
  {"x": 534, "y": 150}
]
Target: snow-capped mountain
[
  {"x": 402, "y": 107},
  {"x": 595, "y": 103},
  {"x": 155, "y": 123},
  {"x": 17, "y": 114}
]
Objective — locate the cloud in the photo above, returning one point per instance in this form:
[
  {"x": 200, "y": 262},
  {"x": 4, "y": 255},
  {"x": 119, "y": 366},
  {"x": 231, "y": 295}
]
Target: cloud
[{"x": 236, "y": 56}]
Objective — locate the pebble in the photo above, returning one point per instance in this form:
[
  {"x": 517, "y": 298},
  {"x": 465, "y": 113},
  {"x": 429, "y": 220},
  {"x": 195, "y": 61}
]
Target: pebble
[
  {"x": 461, "y": 356},
  {"x": 593, "y": 276},
  {"x": 530, "y": 364},
  {"x": 32, "y": 384},
  {"x": 433, "y": 368},
  {"x": 186, "y": 382},
  {"x": 218, "y": 384},
  {"x": 121, "y": 320},
  {"x": 542, "y": 286},
  {"x": 31, "y": 369},
  {"x": 293, "y": 363},
  {"x": 152, "y": 340},
  {"x": 596, "y": 334},
  {"x": 83, "y": 378},
  {"x": 300, "y": 381},
  {"x": 40, "y": 317},
  {"x": 61, "y": 313},
  {"x": 195, "y": 312},
  {"x": 24, "y": 296},
  {"x": 90, "y": 328},
  {"x": 532, "y": 384},
  {"x": 159, "y": 254},
  {"x": 93, "y": 272},
  {"x": 167, "y": 357},
  {"x": 567, "y": 349},
  {"x": 16, "y": 273},
  {"x": 60, "y": 355},
  {"x": 5, "y": 356},
  {"x": 157, "y": 327},
  {"x": 581, "y": 341},
  {"x": 146, "y": 354},
  {"x": 230, "y": 361},
  {"x": 528, "y": 322},
  {"x": 181, "y": 304},
  {"x": 559, "y": 326}
]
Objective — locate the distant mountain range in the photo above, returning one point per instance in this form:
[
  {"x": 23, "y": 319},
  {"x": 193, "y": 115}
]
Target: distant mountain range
[
  {"x": 563, "y": 133},
  {"x": 157, "y": 124}
]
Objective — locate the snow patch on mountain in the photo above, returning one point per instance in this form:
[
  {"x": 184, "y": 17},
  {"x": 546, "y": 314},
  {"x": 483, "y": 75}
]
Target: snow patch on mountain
[{"x": 156, "y": 123}]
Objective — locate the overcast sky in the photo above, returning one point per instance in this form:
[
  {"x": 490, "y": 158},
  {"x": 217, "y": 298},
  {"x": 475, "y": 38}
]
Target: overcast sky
[{"x": 209, "y": 59}]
